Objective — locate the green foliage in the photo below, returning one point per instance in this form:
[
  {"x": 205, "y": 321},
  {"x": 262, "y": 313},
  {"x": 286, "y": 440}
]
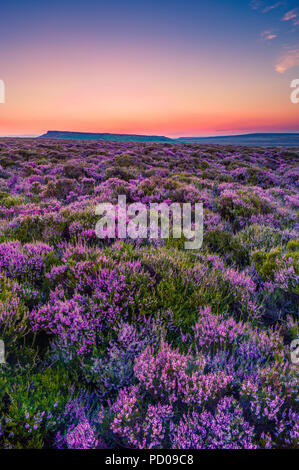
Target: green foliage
[
  {"x": 124, "y": 159},
  {"x": 30, "y": 405},
  {"x": 13, "y": 315},
  {"x": 27, "y": 229},
  {"x": 260, "y": 237},
  {"x": 293, "y": 246},
  {"x": 11, "y": 201},
  {"x": 223, "y": 243},
  {"x": 265, "y": 263}
]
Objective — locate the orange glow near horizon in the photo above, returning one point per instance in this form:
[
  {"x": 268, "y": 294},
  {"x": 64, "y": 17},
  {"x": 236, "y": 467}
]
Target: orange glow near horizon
[{"x": 143, "y": 91}]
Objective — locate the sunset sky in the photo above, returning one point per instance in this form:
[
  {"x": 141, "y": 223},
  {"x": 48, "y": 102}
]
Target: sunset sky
[{"x": 167, "y": 67}]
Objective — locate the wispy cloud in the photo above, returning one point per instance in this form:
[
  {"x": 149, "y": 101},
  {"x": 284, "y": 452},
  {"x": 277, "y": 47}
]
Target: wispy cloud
[
  {"x": 268, "y": 35},
  {"x": 288, "y": 60},
  {"x": 273, "y": 7},
  {"x": 290, "y": 15},
  {"x": 260, "y": 5}
]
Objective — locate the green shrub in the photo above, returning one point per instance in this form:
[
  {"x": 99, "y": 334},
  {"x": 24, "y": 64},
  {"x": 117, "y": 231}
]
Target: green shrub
[
  {"x": 11, "y": 201},
  {"x": 266, "y": 263},
  {"x": 31, "y": 404},
  {"x": 260, "y": 237},
  {"x": 223, "y": 243}
]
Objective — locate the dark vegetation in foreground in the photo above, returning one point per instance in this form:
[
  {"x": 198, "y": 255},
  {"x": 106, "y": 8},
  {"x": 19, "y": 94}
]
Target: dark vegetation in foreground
[{"x": 143, "y": 344}]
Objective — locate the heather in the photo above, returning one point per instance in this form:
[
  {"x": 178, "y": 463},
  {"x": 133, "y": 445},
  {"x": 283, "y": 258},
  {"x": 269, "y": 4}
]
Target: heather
[{"x": 141, "y": 343}]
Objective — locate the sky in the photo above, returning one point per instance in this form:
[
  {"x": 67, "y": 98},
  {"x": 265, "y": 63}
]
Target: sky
[{"x": 164, "y": 67}]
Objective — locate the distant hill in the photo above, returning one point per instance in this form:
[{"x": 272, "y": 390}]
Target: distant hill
[
  {"x": 104, "y": 136},
  {"x": 258, "y": 139}
]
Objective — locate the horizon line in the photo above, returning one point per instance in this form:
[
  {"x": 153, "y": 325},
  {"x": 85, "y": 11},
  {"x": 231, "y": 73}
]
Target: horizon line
[{"x": 34, "y": 136}]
